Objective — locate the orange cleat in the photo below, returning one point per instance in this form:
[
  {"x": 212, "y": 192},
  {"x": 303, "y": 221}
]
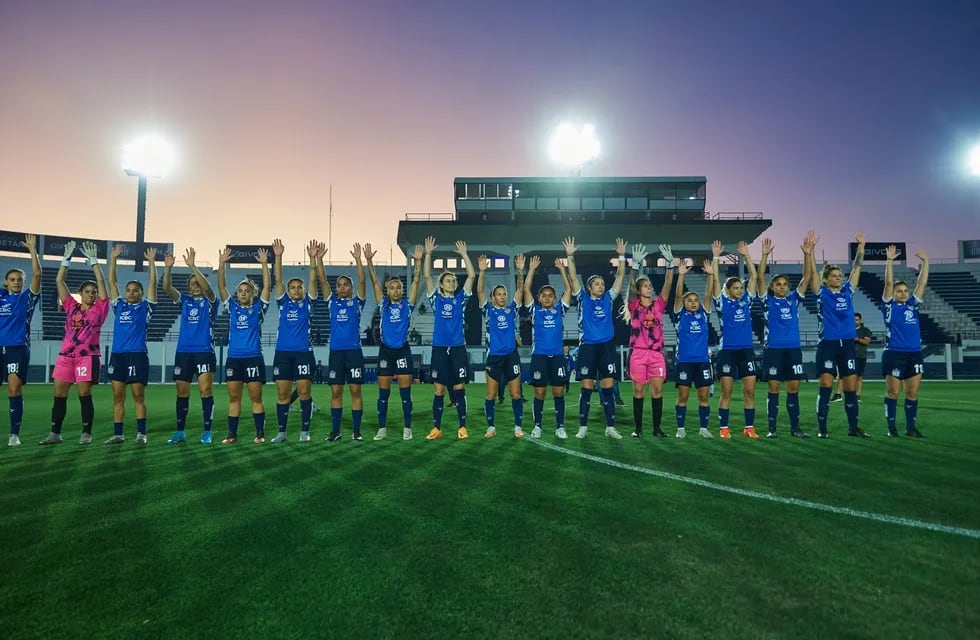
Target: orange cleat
[
  {"x": 230, "y": 440},
  {"x": 725, "y": 433},
  {"x": 435, "y": 434},
  {"x": 462, "y": 434},
  {"x": 749, "y": 432}
]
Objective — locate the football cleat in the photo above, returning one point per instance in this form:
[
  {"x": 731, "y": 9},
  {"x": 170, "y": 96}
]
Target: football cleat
[
  {"x": 407, "y": 433},
  {"x": 381, "y": 434},
  {"x": 536, "y": 432},
  {"x": 611, "y": 432},
  {"x": 85, "y": 438},
  {"x": 725, "y": 433},
  {"x": 230, "y": 439},
  {"x": 434, "y": 434},
  {"x": 141, "y": 438},
  {"x": 582, "y": 432},
  {"x": 749, "y": 432},
  {"x": 178, "y": 436},
  {"x": 914, "y": 433},
  {"x": 560, "y": 433},
  {"x": 115, "y": 440},
  {"x": 681, "y": 433},
  {"x": 518, "y": 432},
  {"x": 704, "y": 433},
  {"x": 13, "y": 440},
  {"x": 462, "y": 433},
  {"x": 280, "y": 437},
  {"x": 491, "y": 432},
  {"x": 206, "y": 437}
]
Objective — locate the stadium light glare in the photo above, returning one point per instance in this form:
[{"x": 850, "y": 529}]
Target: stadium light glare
[
  {"x": 149, "y": 156},
  {"x": 573, "y": 146},
  {"x": 973, "y": 160}
]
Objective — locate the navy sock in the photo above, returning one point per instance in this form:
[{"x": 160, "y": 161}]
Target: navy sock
[
  {"x": 282, "y": 416},
  {"x": 823, "y": 408},
  {"x": 489, "y": 407},
  {"x": 16, "y": 413},
  {"x": 608, "y": 406},
  {"x": 183, "y": 405},
  {"x": 723, "y": 415},
  {"x": 141, "y": 425},
  {"x": 749, "y": 417},
  {"x": 518, "y": 408},
  {"x": 383, "y": 395},
  {"x": 233, "y": 425},
  {"x": 537, "y": 409},
  {"x": 207, "y": 410},
  {"x": 117, "y": 428},
  {"x": 911, "y": 413},
  {"x": 437, "y": 407},
  {"x": 583, "y": 406},
  {"x": 88, "y": 413},
  {"x": 851, "y": 409},
  {"x": 406, "y": 395},
  {"x": 704, "y": 416},
  {"x": 891, "y": 412},
  {"x": 58, "y": 411},
  {"x": 259, "y": 419},
  {"x": 460, "y": 396},
  {"x": 559, "y": 412},
  {"x": 680, "y": 412},
  {"x": 306, "y": 413},
  {"x": 772, "y": 410},
  {"x": 335, "y": 415},
  {"x": 658, "y": 411},
  {"x": 356, "y": 416},
  {"x": 793, "y": 410}
]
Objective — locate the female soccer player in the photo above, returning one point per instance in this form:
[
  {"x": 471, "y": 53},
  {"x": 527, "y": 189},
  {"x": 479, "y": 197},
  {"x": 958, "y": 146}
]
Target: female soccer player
[
  {"x": 293, "y": 360},
  {"x": 549, "y": 363},
  {"x": 16, "y": 310},
  {"x": 503, "y": 361},
  {"x": 597, "y": 357},
  {"x": 245, "y": 366},
  {"x": 195, "y": 344},
  {"x": 645, "y": 315},
  {"x": 736, "y": 357},
  {"x": 129, "y": 364},
  {"x": 346, "y": 363},
  {"x": 783, "y": 358},
  {"x": 835, "y": 352},
  {"x": 449, "y": 361},
  {"x": 690, "y": 317},
  {"x": 80, "y": 356},
  {"x": 901, "y": 362},
  {"x": 394, "y": 353}
]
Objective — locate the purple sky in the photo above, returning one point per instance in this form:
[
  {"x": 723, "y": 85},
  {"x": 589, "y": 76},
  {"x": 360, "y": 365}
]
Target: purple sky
[{"x": 833, "y": 115}]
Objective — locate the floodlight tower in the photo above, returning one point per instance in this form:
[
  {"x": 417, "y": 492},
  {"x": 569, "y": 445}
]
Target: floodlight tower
[
  {"x": 146, "y": 157},
  {"x": 574, "y": 146}
]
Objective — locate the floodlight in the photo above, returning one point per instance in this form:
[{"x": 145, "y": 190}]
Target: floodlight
[
  {"x": 573, "y": 145},
  {"x": 973, "y": 160},
  {"x": 149, "y": 156}
]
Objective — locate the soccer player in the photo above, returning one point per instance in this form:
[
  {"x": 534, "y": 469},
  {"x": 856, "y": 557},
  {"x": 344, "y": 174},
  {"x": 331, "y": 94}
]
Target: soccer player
[
  {"x": 503, "y": 362},
  {"x": 645, "y": 315},
  {"x": 346, "y": 362},
  {"x": 736, "y": 357},
  {"x": 293, "y": 361},
  {"x": 549, "y": 361},
  {"x": 394, "y": 353},
  {"x": 835, "y": 352},
  {"x": 901, "y": 362},
  {"x": 449, "y": 361},
  {"x": 16, "y": 310},
  {"x": 245, "y": 366},
  {"x": 690, "y": 317},
  {"x": 861, "y": 342},
  {"x": 129, "y": 364},
  {"x": 195, "y": 343},
  {"x": 783, "y": 358},
  {"x": 80, "y": 356},
  {"x": 597, "y": 357}
]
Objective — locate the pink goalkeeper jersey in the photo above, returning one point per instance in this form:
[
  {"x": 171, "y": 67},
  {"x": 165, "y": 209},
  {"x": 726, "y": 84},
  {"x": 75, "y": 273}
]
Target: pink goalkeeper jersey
[
  {"x": 647, "y": 324},
  {"x": 82, "y": 327}
]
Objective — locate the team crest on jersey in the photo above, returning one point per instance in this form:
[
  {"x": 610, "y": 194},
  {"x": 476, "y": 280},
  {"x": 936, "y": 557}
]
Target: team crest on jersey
[
  {"x": 828, "y": 364},
  {"x": 192, "y": 312},
  {"x": 176, "y": 371},
  {"x": 110, "y": 369},
  {"x": 896, "y": 373},
  {"x": 537, "y": 375},
  {"x": 382, "y": 364},
  {"x": 447, "y": 308},
  {"x": 275, "y": 371},
  {"x": 435, "y": 373},
  {"x": 229, "y": 372},
  {"x": 683, "y": 375},
  {"x": 585, "y": 370},
  {"x": 396, "y": 313},
  {"x": 332, "y": 375},
  {"x": 772, "y": 371}
]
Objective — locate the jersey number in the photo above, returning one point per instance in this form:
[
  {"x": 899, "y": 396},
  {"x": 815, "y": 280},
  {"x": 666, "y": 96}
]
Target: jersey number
[
  {"x": 401, "y": 363},
  {"x": 355, "y": 374},
  {"x": 303, "y": 369},
  {"x": 798, "y": 369},
  {"x": 252, "y": 371}
]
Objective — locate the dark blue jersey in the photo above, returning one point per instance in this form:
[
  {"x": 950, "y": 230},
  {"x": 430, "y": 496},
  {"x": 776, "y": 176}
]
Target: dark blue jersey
[
  {"x": 245, "y": 328},
  {"x": 197, "y": 316},
  {"x": 16, "y": 311},
  {"x": 129, "y": 326},
  {"x": 501, "y": 328},
  {"x": 902, "y": 330},
  {"x": 294, "y": 324}
]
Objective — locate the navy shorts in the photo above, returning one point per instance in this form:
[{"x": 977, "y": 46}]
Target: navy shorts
[
  {"x": 394, "y": 361},
  {"x": 503, "y": 369},
  {"x": 549, "y": 371},
  {"x": 293, "y": 365},
  {"x": 836, "y": 357},
  {"x": 597, "y": 361},
  {"x": 131, "y": 368},
  {"x": 15, "y": 361},
  {"x": 901, "y": 364},
  {"x": 697, "y": 374},
  {"x": 245, "y": 369},
  {"x": 862, "y": 364},
  {"x": 450, "y": 366},
  {"x": 735, "y": 363},
  {"x": 783, "y": 364},
  {"x": 345, "y": 367},
  {"x": 187, "y": 365}
]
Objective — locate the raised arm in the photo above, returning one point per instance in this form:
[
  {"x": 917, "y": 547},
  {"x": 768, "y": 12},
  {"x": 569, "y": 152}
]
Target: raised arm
[
  {"x": 223, "y": 257},
  {"x": 481, "y": 292},
  {"x": 91, "y": 252},
  {"x": 277, "y": 250},
  {"x": 190, "y": 258},
  {"x": 570, "y": 249},
  {"x": 760, "y": 279},
  {"x": 117, "y": 250},
  {"x": 168, "y": 283},
  {"x": 753, "y": 284},
  {"x": 151, "y": 267},
  {"x": 858, "y": 260},
  {"x": 413, "y": 291},
  {"x": 311, "y": 288},
  {"x": 809, "y": 262},
  {"x": 620, "y": 266},
  {"x": 532, "y": 265},
  {"x": 262, "y": 255},
  {"x": 359, "y": 266},
  {"x": 519, "y": 262},
  {"x": 369, "y": 254},
  {"x": 639, "y": 253},
  {"x": 672, "y": 263},
  {"x": 923, "y": 279},
  {"x": 713, "y": 276},
  {"x": 30, "y": 241},
  {"x": 321, "y": 271},
  {"x": 566, "y": 295},
  {"x": 891, "y": 252},
  {"x": 682, "y": 268},
  {"x": 430, "y": 246},
  {"x": 59, "y": 280},
  {"x": 470, "y": 272},
  {"x": 710, "y": 267},
  {"x": 814, "y": 273}
]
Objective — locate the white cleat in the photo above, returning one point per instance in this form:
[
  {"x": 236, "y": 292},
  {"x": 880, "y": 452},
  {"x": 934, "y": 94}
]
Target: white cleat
[
  {"x": 304, "y": 436},
  {"x": 381, "y": 434},
  {"x": 53, "y": 438},
  {"x": 115, "y": 440},
  {"x": 536, "y": 433},
  {"x": 491, "y": 432},
  {"x": 280, "y": 438},
  {"x": 612, "y": 433},
  {"x": 704, "y": 433},
  {"x": 141, "y": 439},
  {"x": 582, "y": 432},
  {"x": 560, "y": 433},
  {"x": 518, "y": 432},
  {"x": 85, "y": 438},
  {"x": 407, "y": 433},
  {"x": 680, "y": 433},
  {"x": 13, "y": 440}
]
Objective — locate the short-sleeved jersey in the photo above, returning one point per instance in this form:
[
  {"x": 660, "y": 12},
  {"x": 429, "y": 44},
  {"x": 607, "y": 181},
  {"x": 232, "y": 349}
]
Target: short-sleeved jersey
[
  {"x": 16, "y": 311},
  {"x": 129, "y": 325},
  {"x": 647, "y": 324},
  {"x": 902, "y": 330},
  {"x": 549, "y": 329},
  {"x": 692, "y": 335},
  {"x": 782, "y": 320},
  {"x": 293, "y": 333},
  {"x": 197, "y": 316},
  {"x": 501, "y": 328},
  {"x": 447, "y": 330},
  {"x": 345, "y": 322},
  {"x": 595, "y": 317},
  {"x": 245, "y": 328},
  {"x": 735, "y": 320},
  {"x": 82, "y": 327},
  {"x": 835, "y": 313},
  {"x": 394, "y": 321}
]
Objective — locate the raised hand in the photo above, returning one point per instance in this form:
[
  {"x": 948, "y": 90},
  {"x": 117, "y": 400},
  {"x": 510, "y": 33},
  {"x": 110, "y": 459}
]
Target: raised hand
[
  {"x": 682, "y": 267},
  {"x": 90, "y": 250},
  {"x": 189, "y": 256},
  {"x": 224, "y": 255},
  {"x": 168, "y": 260},
  {"x": 311, "y": 249},
  {"x": 150, "y": 254},
  {"x": 262, "y": 255},
  {"x": 569, "y": 245},
  {"x": 30, "y": 242},
  {"x": 356, "y": 252},
  {"x": 743, "y": 249},
  {"x": 859, "y": 236},
  {"x": 69, "y": 249},
  {"x": 483, "y": 262},
  {"x": 717, "y": 248},
  {"x": 766, "y": 246},
  {"x": 430, "y": 244},
  {"x": 461, "y": 247},
  {"x": 620, "y": 247},
  {"x": 706, "y": 266},
  {"x": 117, "y": 250},
  {"x": 921, "y": 255},
  {"x": 639, "y": 252},
  {"x": 277, "y": 247},
  {"x": 667, "y": 253},
  {"x": 369, "y": 253},
  {"x": 892, "y": 252},
  {"x": 559, "y": 263},
  {"x": 519, "y": 261},
  {"x": 419, "y": 252},
  {"x": 321, "y": 250}
]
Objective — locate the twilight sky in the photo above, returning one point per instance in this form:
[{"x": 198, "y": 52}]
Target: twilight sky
[{"x": 832, "y": 114}]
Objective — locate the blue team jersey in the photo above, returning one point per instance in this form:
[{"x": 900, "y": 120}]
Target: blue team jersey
[
  {"x": 16, "y": 311},
  {"x": 549, "y": 329},
  {"x": 197, "y": 316},
  {"x": 394, "y": 321},
  {"x": 345, "y": 322},
  {"x": 692, "y": 335},
  {"x": 447, "y": 329},
  {"x": 782, "y": 320},
  {"x": 129, "y": 325},
  {"x": 902, "y": 330},
  {"x": 501, "y": 328},
  {"x": 245, "y": 328},
  {"x": 835, "y": 313},
  {"x": 735, "y": 320},
  {"x": 595, "y": 318},
  {"x": 294, "y": 324}
]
